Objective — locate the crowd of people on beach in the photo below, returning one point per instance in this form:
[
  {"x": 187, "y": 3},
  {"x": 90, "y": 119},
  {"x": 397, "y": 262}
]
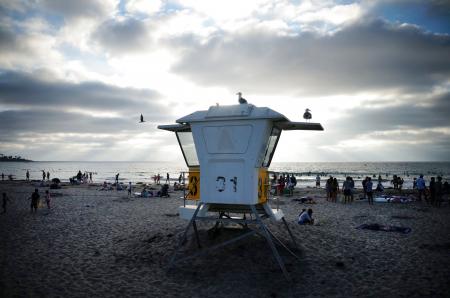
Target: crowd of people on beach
[{"x": 283, "y": 184}]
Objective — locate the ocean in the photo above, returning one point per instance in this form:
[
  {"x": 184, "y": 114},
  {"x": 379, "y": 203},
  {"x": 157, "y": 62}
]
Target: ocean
[{"x": 305, "y": 172}]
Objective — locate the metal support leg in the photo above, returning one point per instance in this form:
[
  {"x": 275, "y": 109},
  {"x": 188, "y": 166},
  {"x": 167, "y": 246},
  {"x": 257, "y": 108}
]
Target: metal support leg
[
  {"x": 194, "y": 224},
  {"x": 290, "y": 233},
  {"x": 271, "y": 245},
  {"x": 282, "y": 244},
  {"x": 183, "y": 239}
]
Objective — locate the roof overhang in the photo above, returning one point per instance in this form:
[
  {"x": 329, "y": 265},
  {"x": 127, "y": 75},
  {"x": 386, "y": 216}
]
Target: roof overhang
[
  {"x": 176, "y": 127},
  {"x": 288, "y": 125}
]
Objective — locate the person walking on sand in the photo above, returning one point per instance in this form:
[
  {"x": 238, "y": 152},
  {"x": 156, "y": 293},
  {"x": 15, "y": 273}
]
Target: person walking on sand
[
  {"x": 129, "y": 189},
  {"x": 35, "y": 200},
  {"x": 5, "y": 200},
  {"x": 27, "y": 175},
  {"x": 47, "y": 198},
  {"x": 420, "y": 185},
  {"x": 369, "y": 191}
]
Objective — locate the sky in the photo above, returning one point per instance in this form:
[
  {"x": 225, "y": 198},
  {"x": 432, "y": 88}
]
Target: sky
[{"x": 76, "y": 75}]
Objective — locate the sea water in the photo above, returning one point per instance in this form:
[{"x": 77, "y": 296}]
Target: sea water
[{"x": 305, "y": 172}]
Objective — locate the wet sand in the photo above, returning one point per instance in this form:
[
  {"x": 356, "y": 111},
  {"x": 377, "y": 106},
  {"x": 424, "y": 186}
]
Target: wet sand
[{"x": 104, "y": 244}]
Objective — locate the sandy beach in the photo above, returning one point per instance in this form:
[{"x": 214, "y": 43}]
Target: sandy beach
[{"x": 96, "y": 243}]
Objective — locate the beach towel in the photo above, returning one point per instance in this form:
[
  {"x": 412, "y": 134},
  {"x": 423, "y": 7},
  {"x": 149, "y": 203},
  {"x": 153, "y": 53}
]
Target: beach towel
[
  {"x": 377, "y": 227},
  {"x": 393, "y": 199}
]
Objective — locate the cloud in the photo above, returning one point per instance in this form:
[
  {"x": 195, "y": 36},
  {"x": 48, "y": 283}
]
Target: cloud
[
  {"x": 143, "y": 6},
  {"x": 80, "y": 8},
  {"x": 55, "y": 120},
  {"x": 25, "y": 91},
  {"x": 416, "y": 128},
  {"x": 363, "y": 56},
  {"x": 26, "y": 49},
  {"x": 121, "y": 36}
]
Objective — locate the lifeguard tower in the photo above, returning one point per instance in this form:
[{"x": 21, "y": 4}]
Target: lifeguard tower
[{"x": 228, "y": 150}]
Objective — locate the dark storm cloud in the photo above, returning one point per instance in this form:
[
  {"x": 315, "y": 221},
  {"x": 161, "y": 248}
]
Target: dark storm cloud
[
  {"x": 411, "y": 114},
  {"x": 129, "y": 35},
  {"x": 35, "y": 121},
  {"x": 409, "y": 130},
  {"x": 23, "y": 91},
  {"x": 365, "y": 56}
]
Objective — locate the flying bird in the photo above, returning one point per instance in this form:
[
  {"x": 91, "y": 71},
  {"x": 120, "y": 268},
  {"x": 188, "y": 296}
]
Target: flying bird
[
  {"x": 142, "y": 119},
  {"x": 241, "y": 99},
  {"x": 307, "y": 115}
]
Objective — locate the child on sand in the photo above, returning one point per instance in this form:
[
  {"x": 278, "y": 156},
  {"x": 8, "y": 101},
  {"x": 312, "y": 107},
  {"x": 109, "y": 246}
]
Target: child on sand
[
  {"x": 47, "y": 198},
  {"x": 5, "y": 199}
]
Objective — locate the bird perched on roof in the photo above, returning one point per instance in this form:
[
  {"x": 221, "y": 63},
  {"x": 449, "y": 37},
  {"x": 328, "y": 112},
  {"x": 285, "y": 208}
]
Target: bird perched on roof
[
  {"x": 307, "y": 115},
  {"x": 142, "y": 119},
  {"x": 241, "y": 99}
]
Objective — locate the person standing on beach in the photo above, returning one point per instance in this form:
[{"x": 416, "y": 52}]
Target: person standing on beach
[
  {"x": 432, "y": 188},
  {"x": 334, "y": 190},
  {"x": 364, "y": 182},
  {"x": 438, "y": 191},
  {"x": 347, "y": 189},
  {"x": 43, "y": 175},
  {"x": 48, "y": 176},
  {"x": 90, "y": 177},
  {"x": 328, "y": 187},
  {"x": 317, "y": 181},
  {"x": 352, "y": 187},
  {"x": 420, "y": 185},
  {"x": 369, "y": 191},
  {"x": 3, "y": 176},
  {"x": 167, "y": 178},
  {"x": 5, "y": 200},
  {"x": 27, "y": 175},
  {"x": 117, "y": 178},
  {"x": 35, "y": 200},
  {"x": 47, "y": 198}
]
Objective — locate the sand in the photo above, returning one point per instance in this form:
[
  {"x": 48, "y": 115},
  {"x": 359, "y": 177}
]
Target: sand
[{"x": 103, "y": 244}]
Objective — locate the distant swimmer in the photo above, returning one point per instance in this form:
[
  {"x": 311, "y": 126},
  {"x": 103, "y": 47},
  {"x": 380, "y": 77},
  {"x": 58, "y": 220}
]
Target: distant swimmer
[
  {"x": 142, "y": 119},
  {"x": 307, "y": 115},
  {"x": 241, "y": 99}
]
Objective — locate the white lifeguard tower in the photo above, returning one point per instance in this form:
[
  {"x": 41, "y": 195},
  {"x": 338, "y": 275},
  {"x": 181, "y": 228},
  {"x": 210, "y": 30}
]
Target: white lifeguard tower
[{"x": 228, "y": 150}]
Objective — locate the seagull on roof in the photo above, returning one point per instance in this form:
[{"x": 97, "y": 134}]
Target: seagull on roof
[
  {"x": 142, "y": 119},
  {"x": 307, "y": 115},
  {"x": 241, "y": 99}
]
